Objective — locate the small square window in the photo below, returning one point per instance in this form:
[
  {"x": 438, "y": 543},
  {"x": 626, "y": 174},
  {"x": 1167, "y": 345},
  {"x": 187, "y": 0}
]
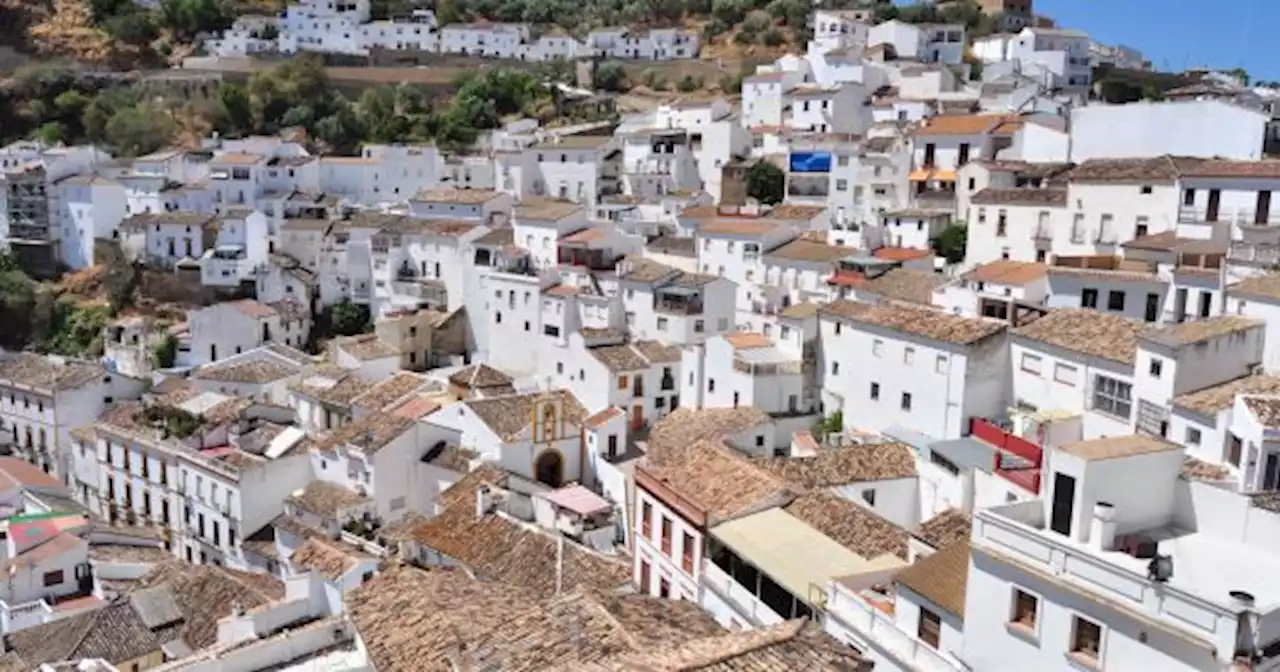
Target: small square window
[
  {"x": 1157, "y": 365},
  {"x": 1193, "y": 436},
  {"x": 1146, "y": 189},
  {"x": 906, "y": 401},
  {"x": 1086, "y": 641},
  {"x": 869, "y": 496},
  {"x": 1026, "y": 608}
]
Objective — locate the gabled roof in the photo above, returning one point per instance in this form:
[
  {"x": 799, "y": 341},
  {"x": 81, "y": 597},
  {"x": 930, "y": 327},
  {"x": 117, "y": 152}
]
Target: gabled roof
[
  {"x": 510, "y": 415},
  {"x": 941, "y": 577},
  {"x": 1087, "y": 332}
]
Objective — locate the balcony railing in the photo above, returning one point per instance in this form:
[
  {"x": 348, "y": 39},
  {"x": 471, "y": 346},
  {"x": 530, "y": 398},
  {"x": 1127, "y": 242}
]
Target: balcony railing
[
  {"x": 737, "y": 596},
  {"x": 873, "y": 625},
  {"x": 1254, "y": 253},
  {"x": 666, "y": 304},
  {"x": 1017, "y": 460},
  {"x": 1237, "y": 216},
  {"x": 768, "y": 368}
]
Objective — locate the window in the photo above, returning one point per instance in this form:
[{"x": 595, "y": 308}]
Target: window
[
  {"x": 1146, "y": 189},
  {"x": 1115, "y": 300},
  {"x": 1065, "y": 374},
  {"x": 686, "y": 546},
  {"x": 1031, "y": 364},
  {"x": 929, "y": 630},
  {"x": 869, "y": 496},
  {"x": 1188, "y": 196},
  {"x": 622, "y": 382},
  {"x": 837, "y": 328},
  {"x": 875, "y": 390},
  {"x": 711, "y": 384},
  {"x": 1088, "y": 298},
  {"x": 877, "y": 347},
  {"x": 1112, "y": 396},
  {"x": 906, "y": 401},
  {"x": 644, "y": 577},
  {"x": 940, "y": 365},
  {"x": 666, "y": 536},
  {"x": 1155, "y": 367},
  {"x": 612, "y": 450},
  {"x": 1002, "y": 223},
  {"x": 835, "y": 368},
  {"x": 943, "y": 463},
  {"x": 54, "y": 578},
  {"x": 1025, "y": 608},
  {"x": 1086, "y": 641},
  {"x": 909, "y": 356},
  {"x": 646, "y": 514},
  {"x": 1193, "y": 436}
]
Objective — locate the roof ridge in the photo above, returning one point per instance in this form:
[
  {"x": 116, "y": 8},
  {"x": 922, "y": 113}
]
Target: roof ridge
[{"x": 741, "y": 646}]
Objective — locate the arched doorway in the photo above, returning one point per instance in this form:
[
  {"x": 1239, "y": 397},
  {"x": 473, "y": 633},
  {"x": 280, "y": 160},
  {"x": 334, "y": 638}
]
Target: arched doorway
[{"x": 549, "y": 468}]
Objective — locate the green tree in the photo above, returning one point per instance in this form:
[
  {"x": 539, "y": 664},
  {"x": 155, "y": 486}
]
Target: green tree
[
  {"x": 342, "y": 131},
  {"x": 138, "y": 130},
  {"x": 52, "y": 133},
  {"x": 611, "y": 76},
  {"x": 299, "y": 115},
  {"x": 950, "y": 244},
  {"x": 766, "y": 182},
  {"x": 689, "y": 84},
  {"x": 165, "y": 352},
  {"x": 233, "y": 109},
  {"x": 17, "y": 297},
  {"x": 772, "y": 38},
  {"x": 133, "y": 27},
  {"x": 832, "y": 423},
  {"x": 347, "y": 318}
]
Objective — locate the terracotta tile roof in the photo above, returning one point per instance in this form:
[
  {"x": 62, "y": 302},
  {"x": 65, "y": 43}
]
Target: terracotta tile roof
[
  {"x": 547, "y": 209},
  {"x": 514, "y": 553},
  {"x": 206, "y": 593},
  {"x": 1212, "y": 400},
  {"x": 639, "y": 269},
  {"x": 1008, "y": 272},
  {"x": 1198, "y": 331},
  {"x": 809, "y": 250},
  {"x": 326, "y": 499},
  {"x": 795, "y": 212},
  {"x": 461, "y": 622},
  {"x": 1160, "y": 169},
  {"x": 1047, "y": 197},
  {"x": 1169, "y": 241},
  {"x": 946, "y": 528},
  {"x": 16, "y": 473},
  {"x": 1130, "y": 271},
  {"x": 832, "y": 467},
  {"x": 1258, "y": 287},
  {"x": 598, "y": 420},
  {"x": 254, "y": 309},
  {"x": 251, "y": 367},
  {"x": 333, "y": 385},
  {"x": 368, "y": 434},
  {"x": 390, "y": 390},
  {"x": 479, "y": 376},
  {"x": 850, "y": 524},
  {"x": 717, "y": 479},
  {"x": 456, "y": 196},
  {"x": 906, "y": 284},
  {"x": 941, "y": 577},
  {"x": 923, "y": 322},
  {"x": 1087, "y": 332},
  {"x": 366, "y": 347},
  {"x": 976, "y": 124},
  {"x": 1265, "y": 408},
  {"x": 574, "y": 142},
  {"x": 114, "y": 633},
  {"x": 685, "y": 426},
  {"x": 619, "y": 358},
  {"x": 1112, "y": 447},
  {"x": 499, "y": 237},
  {"x": 54, "y": 547},
  {"x": 657, "y": 352},
  {"x": 786, "y": 647},
  {"x": 799, "y": 311},
  {"x": 682, "y": 247},
  {"x": 737, "y": 227},
  {"x": 901, "y": 253},
  {"x": 326, "y": 559},
  {"x": 748, "y": 340},
  {"x": 46, "y": 373},
  {"x": 1227, "y": 168},
  {"x": 511, "y": 415}
]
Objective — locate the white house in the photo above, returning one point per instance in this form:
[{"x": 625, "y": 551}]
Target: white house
[
  {"x": 886, "y": 365},
  {"x": 1199, "y": 128},
  {"x": 229, "y": 328}
]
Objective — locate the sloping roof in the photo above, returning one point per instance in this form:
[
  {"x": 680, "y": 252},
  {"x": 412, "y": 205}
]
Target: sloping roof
[
  {"x": 1198, "y": 331},
  {"x": 369, "y": 434},
  {"x": 115, "y": 633},
  {"x": 1020, "y": 196},
  {"x": 1159, "y": 169},
  {"x": 546, "y": 209},
  {"x": 366, "y": 347},
  {"x": 479, "y": 376},
  {"x": 1112, "y": 447},
  {"x": 1212, "y": 400},
  {"x": 1087, "y": 332},
  {"x": 1260, "y": 287},
  {"x": 969, "y": 124},
  {"x": 326, "y": 499},
  {"x": 206, "y": 593},
  {"x": 850, "y": 524},
  {"x": 941, "y": 577},
  {"x": 685, "y": 426},
  {"x": 510, "y": 415},
  {"x": 48, "y": 373},
  {"x": 15, "y": 472},
  {"x": 1008, "y": 272},
  {"x": 946, "y": 528},
  {"x": 717, "y": 479},
  {"x": 324, "y": 558},
  {"x": 906, "y": 284},
  {"x": 918, "y": 321},
  {"x": 802, "y": 249},
  {"x": 385, "y": 392},
  {"x": 831, "y": 467}
]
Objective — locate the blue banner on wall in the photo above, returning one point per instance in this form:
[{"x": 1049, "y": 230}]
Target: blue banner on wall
[{"x": 811, "y": 162}]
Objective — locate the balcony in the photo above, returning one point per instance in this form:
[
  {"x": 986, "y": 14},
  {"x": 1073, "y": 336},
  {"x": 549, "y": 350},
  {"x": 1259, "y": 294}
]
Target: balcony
[
  {"x": 793, "y": 368},
  {"x": 672, "y": 303},
  {"x": 651, "y": 166},
  {"x": 1257, "y": 254},
  {"x": 1017, "y": 460},
  {"x": 596, "y": 260},
  {"x": 1246, "y": 217},
  {"x": 737, "y": 597},
  {"x": 851, "y": 611}
]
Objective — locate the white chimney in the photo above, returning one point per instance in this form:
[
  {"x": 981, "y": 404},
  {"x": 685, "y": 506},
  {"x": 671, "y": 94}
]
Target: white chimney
[
  {"x": 482, "y": 501},
  {"x": 1102, "y": 531}
]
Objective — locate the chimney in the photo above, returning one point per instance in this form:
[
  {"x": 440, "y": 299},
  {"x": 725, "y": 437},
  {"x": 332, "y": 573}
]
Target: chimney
[
  {"x": 1102, "y": 531},
  {"x": 1246, "y": 652},
  {"x": 482, "y": 501}
]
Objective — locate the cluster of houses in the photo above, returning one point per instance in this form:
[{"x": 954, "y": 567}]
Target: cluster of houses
[
  {"x": 348, "y": 28},
  {"x": 612, "y": 412}
]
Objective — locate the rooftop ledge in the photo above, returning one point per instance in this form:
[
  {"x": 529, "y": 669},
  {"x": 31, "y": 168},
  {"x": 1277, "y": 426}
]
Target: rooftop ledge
[{"x": 1196, "y": 600}]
